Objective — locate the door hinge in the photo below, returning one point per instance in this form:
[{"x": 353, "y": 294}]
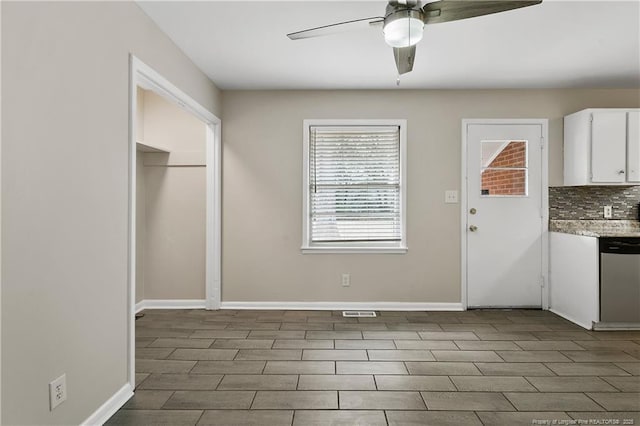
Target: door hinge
[
  {"x": 542, "y": 283},
  {"x": 541, "y": 142}
]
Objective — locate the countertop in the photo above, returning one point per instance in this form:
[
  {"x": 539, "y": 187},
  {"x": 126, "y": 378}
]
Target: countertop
[{"x": 597, "y": 228}]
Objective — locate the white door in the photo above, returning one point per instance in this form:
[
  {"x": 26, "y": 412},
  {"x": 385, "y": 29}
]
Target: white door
[{"x": 504, "y": 215}]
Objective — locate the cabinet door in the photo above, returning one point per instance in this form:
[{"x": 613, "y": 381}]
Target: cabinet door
[
  {"x": 609, "y": 147},
  {"x": 633, "y": 146}
]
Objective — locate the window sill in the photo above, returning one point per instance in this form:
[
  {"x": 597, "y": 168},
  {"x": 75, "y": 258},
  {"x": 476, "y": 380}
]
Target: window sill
[{"x": 353, "y": 250}]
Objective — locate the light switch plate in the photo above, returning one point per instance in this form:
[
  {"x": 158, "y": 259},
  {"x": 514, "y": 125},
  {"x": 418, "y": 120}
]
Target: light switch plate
[
  {"x": 346, "y": 280},
  {"x": 451, "y": 196}
]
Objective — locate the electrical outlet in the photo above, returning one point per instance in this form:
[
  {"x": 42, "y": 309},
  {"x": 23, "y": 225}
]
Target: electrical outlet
[
  {"x": 346, "y": 280},
  {"x": 58, "y": 391},
  {"x": 608, "y": 212}
]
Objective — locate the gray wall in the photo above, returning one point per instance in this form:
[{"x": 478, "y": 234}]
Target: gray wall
[
  {"x": 65, "y": 81},
  {"x": 262, "y": 188},
  {"x": 141, "y": 214},
  {"x": 141, "y": 225}
]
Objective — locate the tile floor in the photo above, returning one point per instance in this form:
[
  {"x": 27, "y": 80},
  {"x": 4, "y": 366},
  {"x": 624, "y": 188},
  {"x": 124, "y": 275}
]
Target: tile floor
[{"x": 493, "y": 367}]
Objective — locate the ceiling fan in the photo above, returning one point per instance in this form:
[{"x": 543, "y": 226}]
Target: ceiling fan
[{"x": 404, "y": 20}]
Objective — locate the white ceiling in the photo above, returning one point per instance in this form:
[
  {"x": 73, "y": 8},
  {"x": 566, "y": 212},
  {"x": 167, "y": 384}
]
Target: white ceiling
[{"x": 242, "y": 45}]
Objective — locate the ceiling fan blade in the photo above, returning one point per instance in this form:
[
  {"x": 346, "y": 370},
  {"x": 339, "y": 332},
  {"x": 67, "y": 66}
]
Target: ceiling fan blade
[
  {"x": 453, "y": 10},
  {"x": 404, "y": 57},
  {"x": 335, "y": 28}
]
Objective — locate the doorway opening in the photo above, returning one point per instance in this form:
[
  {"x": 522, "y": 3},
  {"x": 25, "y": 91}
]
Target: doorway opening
[
  {"x": 170, "y": 205},
  {"x": 174, "y": 200}
]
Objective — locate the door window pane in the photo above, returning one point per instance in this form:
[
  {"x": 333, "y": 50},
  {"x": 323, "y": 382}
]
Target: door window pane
[{"x": 504, "y": 168}]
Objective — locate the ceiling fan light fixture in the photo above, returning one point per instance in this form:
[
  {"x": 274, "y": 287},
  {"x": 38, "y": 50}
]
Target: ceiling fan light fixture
[{"x": 403, "y": 28}]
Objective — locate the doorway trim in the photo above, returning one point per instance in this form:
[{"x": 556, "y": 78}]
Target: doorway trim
[
  {"x": 144, "y": 76},
  {"x": 544, "y": 123}
]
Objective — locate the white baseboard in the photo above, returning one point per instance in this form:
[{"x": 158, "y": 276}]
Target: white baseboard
[
  {"x": 339, "y": 306},
  {"x": 568, "y": 318},
  {"x": 305, "y": 306},
  {"x": 108, "y": 409},
  {"x": 171, "y": 304}
]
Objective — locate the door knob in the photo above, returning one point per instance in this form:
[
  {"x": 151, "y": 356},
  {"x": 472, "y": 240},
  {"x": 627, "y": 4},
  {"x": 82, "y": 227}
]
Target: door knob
[
  {"x": 473, "y": 211},
  {"x": 620, "y": 172},
  {"x": 473, "y": 228}
]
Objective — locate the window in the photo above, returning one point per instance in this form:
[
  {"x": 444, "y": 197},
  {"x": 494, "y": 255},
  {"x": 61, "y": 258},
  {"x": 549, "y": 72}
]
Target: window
[
  {"x": 354, "y": 186},
  {"x": 504, "y": 168}
]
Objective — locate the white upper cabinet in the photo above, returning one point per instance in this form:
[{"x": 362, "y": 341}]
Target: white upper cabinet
[
  {"x": 633, "y": 154},
  {"x": 608, "y": 147},
  {"x": 602, "y": 147}
]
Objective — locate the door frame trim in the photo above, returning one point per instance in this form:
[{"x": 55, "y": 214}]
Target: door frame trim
[
  {"x": 544, "y": 123},
  {"x": 140, "y": 74}
]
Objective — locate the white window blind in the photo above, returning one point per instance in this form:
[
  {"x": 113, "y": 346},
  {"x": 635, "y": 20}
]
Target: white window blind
[{"x": 354, "y": 184}]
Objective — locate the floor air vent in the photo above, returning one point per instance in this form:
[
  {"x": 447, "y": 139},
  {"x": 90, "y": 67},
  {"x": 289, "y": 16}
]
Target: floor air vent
[{"x": 359, "y": 314}]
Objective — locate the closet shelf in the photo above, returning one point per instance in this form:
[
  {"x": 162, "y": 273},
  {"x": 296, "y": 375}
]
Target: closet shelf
[{"x": 144, "y": 147}]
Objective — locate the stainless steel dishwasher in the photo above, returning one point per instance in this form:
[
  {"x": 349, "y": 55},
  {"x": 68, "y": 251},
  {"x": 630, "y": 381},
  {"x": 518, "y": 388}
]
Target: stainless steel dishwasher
[{"x": 620, "y": 281}]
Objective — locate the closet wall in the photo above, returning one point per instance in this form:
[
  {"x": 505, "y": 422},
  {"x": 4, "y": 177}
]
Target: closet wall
[{"x": 171, "y": 205}]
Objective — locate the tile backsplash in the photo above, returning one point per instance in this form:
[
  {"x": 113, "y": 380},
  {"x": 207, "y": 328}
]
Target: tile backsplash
[{"x": 586, "y": 202}]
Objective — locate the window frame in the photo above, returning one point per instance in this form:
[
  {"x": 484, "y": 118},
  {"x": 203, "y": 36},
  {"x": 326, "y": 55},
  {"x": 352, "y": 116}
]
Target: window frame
[{"x": 390, "y": 247}]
